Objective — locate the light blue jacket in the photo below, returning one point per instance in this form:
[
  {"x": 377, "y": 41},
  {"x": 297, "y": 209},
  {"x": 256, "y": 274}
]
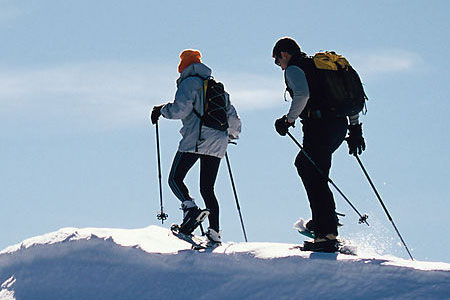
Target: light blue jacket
[{"x": 189, "y": 95}]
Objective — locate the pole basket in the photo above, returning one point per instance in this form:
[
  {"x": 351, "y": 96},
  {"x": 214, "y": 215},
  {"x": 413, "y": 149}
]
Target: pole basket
[
  {"x": 363, "y": 219},
  {"x": 162, "y": 216}
]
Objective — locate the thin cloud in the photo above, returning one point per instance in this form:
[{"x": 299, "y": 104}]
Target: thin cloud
[
  {"x": 112, "y": 94},
  {"x": 385, "y": 61},
  {"x": 249, "y": 91}
]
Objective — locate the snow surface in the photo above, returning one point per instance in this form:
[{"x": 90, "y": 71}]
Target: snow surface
[{"x": 150, "y": 263}]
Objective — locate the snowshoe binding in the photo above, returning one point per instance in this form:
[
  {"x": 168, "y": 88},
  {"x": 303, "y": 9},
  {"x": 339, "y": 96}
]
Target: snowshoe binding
[
  {"x": 326, "y": 245},
  {"x": 329, "y": 246},
  {"x": 193, "y": 217},
  {"x": 196, "y": 242}
]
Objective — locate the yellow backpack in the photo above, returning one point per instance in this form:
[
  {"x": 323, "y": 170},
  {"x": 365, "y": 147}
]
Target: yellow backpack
[
  {"x": 329, "y": 60},
  {"x": 337, "y": 84}
]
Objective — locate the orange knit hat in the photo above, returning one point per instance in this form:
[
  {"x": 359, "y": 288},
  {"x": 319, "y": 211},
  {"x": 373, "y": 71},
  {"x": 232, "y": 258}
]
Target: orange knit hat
[{"x": 188, "y": 57}]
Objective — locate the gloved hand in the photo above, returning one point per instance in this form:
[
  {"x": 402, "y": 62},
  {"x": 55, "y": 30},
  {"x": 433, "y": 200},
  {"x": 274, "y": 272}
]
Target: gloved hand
[
  {"x": 355, "y": 140},
  {"x": 282, "y": 125},
  {"x": 156, "y": 113}
]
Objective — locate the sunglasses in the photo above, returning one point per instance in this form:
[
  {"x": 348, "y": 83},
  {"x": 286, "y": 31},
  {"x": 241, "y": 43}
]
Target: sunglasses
[{"x": 277, "y": 60}]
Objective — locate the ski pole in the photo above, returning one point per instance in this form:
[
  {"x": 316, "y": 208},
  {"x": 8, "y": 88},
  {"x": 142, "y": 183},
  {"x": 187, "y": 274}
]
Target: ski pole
[
  {"x": 161, "y": 215},
  {"x": 202, "y": 230},
  {"x": 362, "y": 219},
  {"x": 382, "y": 204},
  {"x": 235, "y": 196}
]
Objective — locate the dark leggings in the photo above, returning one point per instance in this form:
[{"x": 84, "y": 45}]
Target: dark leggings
[{"x": 209, "y": 166}]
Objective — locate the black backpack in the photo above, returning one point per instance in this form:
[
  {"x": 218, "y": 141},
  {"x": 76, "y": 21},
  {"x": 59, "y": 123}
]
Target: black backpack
[
  {"x": 335, "y": 87},
  {"x": 214, "y": 106}
]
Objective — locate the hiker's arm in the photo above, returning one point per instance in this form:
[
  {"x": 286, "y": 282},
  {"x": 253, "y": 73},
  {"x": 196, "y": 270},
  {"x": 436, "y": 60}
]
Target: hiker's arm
[
  {"x": 296, "y": 81},
  {"x": 183, "y": 104},
  {"x": 234, "y": 122}
]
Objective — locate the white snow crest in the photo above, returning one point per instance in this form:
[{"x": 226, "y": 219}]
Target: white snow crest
[
  {"x": 144, "y": 264},
  {"x": 156, "y": 239},
  {"x": 153, "y": 239}
]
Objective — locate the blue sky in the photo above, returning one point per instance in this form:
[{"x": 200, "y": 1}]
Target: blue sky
[{"x": 78, "y": 78}]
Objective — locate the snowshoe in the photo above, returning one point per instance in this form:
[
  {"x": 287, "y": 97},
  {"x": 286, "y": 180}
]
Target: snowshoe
[
  {"x": 305, "y": 228},
  {"x": 329, "y": 246},
  {"x": 196, "y": 242}
]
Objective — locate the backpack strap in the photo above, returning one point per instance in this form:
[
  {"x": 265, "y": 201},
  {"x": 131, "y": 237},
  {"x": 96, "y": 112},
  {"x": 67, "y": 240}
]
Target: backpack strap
[{"x": 205, "y": 86}]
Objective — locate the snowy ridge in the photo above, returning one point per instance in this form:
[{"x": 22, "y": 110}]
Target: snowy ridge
[
  {"x": 150, "y": 263},
  {"x": 153, "y": 239}
]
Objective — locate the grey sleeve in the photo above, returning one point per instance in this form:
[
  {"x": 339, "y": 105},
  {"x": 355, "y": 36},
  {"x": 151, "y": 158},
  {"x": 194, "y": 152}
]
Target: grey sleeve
[
  {"x": 296, "y": 81},
  {"x": 183, "y": 105},
  {"x": 234, "y": 122}
]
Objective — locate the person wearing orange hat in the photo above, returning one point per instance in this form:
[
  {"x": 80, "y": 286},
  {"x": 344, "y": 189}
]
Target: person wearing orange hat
[
  {"x": 188, "y": 57},
  {"x": 199, "y": 142}
]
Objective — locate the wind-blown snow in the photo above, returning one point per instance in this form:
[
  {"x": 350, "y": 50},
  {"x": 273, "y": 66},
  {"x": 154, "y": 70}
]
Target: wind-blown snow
[{"x": 150, "y": 263}]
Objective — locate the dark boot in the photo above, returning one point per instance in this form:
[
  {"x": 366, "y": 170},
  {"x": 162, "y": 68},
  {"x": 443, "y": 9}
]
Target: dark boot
[
  {"x": 327, "y": 243},
  {"x": 193, "y": 216}
]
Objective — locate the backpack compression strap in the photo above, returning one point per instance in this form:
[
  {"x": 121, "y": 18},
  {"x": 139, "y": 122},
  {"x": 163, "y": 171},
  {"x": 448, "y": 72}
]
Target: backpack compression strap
[{"x": 205, "y": 86}]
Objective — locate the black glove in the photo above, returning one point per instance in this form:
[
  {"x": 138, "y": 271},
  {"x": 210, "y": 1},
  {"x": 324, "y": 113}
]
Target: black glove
[
  {"x": 156, "y": 113},
  {"x": 355, "y": 140},
  {"x": 282, "y": 125}
]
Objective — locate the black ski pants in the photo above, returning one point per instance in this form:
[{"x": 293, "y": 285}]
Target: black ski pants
[
  {"x": 209, "y": 166},
  {"x": 321, "y": 137}
]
